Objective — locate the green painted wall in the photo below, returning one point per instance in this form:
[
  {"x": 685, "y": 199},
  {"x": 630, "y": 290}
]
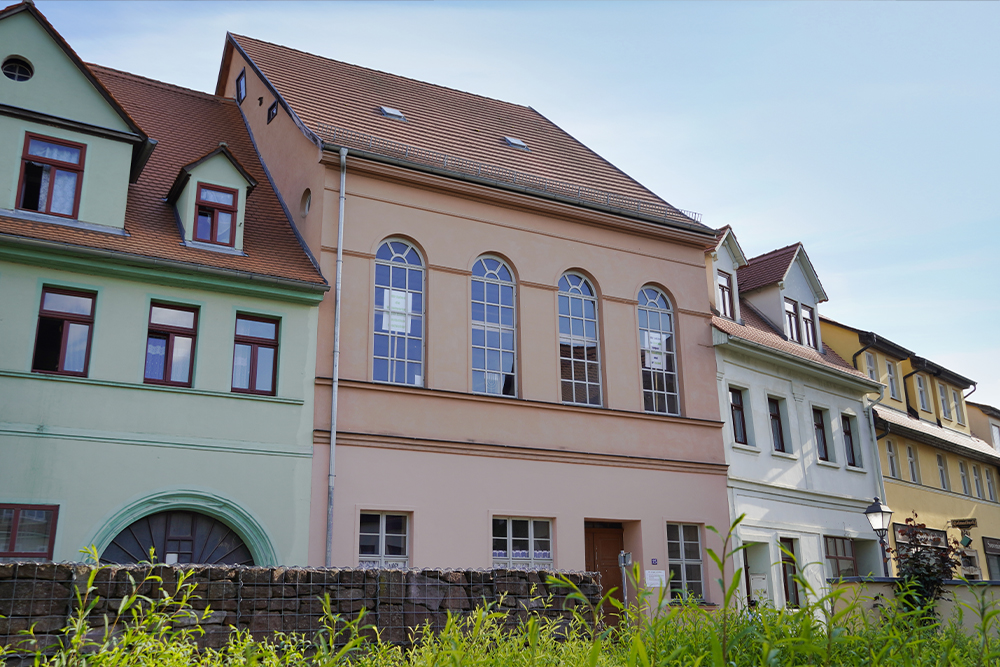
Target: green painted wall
[
  {"x": 95, "y": 446},
  {"x": 105, "y": 171},
  {"x": 58, "y": 87},
  {"x": 217, "y": 171}
]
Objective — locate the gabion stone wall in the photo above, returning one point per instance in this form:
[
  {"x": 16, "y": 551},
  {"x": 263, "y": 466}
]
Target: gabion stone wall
[{"x": 265, "y": 600}]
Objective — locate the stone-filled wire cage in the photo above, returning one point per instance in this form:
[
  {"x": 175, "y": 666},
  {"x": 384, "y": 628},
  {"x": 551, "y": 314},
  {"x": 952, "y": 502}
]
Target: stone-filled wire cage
[{"x": 266, "y": 600}]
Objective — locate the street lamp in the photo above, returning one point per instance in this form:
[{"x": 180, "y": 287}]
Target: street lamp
[{"x": 879, "y": 517}]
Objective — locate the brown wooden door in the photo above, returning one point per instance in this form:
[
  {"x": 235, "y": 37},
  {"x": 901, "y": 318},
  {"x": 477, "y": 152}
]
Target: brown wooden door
[{"x": 604, "y": 543}]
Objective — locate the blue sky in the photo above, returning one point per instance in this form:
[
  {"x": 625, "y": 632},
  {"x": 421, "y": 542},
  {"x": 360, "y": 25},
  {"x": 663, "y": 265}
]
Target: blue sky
[{"x": 868, "y": 131}]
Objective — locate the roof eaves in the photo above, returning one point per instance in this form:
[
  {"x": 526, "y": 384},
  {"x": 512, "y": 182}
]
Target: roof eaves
[
  {"x": 873, "y": 340},
  {"x": 312, "y": 136},
  {"x": 933, "y": 440},
  {"x": 988, "y": 410},
  {"x": 811, "y": 274}
]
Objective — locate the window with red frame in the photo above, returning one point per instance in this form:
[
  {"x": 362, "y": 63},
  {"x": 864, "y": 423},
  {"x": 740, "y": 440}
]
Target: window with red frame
[
  {"x": 27, "y": 531},
  {"x": 51, "y": 176},
  {"x": 255, "y": 355},
  {"x": 170, "y": 345},
  {"x": 216, "y": 219},
  {"x": 840, "y": 557},
  {"x": 65, "y": 325}
]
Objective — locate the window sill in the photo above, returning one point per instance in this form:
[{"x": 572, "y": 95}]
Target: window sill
[
  {"x": 828, "y": 464},
  {"x": 34, "y": 216},
  {"x": 213, "y": 247},
  {"x": 856, "y": 469},
  {"x": 745, "y": 448},
  {"x": 791, "y": 456},
  {"x": 49, "y": 377}
]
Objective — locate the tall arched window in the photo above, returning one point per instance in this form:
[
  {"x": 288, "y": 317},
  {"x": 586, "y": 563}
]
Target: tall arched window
[
  {"x": 656, "y": 344},
  {"x": 399, "y": 308},
  {"x": 579, "y": 357},
  {"x": 493, "y": 328}
]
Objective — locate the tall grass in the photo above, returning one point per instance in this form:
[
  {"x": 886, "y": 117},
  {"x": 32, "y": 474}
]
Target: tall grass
[{"x": 830, "y": 628}]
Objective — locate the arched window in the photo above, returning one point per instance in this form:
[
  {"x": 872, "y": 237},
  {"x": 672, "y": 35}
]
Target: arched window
[
  {"x": 656, "y": 345},
  {"x": 399, "y": 308},
  {"x": 493, "y": 328},
  {"x": 579, "y": 357}
]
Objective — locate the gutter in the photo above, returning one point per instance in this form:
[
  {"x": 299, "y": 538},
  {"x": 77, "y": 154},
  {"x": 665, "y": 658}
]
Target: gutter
[
  {"x": 332, "y": 475},
  {"x": 116, "y": 257}
]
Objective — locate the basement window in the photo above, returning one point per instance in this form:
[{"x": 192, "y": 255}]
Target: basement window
[
  {"x": 513, "y": 142},
  {"x": 389, "y": 112}
]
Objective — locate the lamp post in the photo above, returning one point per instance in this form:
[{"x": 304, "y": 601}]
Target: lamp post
[{"x": 879, "y": 517}]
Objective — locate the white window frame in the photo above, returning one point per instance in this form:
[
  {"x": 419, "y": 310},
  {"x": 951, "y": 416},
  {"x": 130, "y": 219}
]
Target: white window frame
[
  {"x": 913, "y": 464},
  {"x": 943, "y": 473},
  {"x": 658, "y": 360},
  {"x": 398, "y": 306},
  {"x": 870, "y": 364},
  {"x": 494, "y": 379},
  {"x": 793, "y": 316},
  {"x": 682, "y": 591},
  {"x": 959, "y": 412},
  {"x": 945, "y": 406},
  {"x": 963, "y": 473},
  {"x": 925, "y": 404},
  {"x": 890, "y": 369},
  {"x": 891, "y": 457},
  {"x": 575, "y": 340},
  {"x": 991, "y": 488},
  {"x": 977, "y": 481},
  {"x": 381, "y": 560},
  {"x": 534, "y": 558}
]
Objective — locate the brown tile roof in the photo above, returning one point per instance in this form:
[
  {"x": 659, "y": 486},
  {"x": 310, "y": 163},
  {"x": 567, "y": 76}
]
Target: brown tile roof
[
  {"x": 766, "y": 269},
  {"x": 756, "y": 329},
  {"x": 441, "y": 119},
  {"x": 904, "y": 424},
  {"x": 187, "y": 124}
]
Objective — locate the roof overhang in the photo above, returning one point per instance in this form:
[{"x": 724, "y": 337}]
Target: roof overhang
[
  {"x": 917, "y": 435},
  {"x": 729, "y": 240},
  {"x": 184, "y": 175},
  {"x": 802, "y": 257}
]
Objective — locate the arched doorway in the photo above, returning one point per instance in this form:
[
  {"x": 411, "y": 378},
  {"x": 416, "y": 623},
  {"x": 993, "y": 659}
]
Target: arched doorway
[{"x": 178, "y": 536}]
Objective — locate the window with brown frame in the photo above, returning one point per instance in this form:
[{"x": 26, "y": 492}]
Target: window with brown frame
[
  {"x": 792, "y": 321},
  {"x": 65, "y": 327},
  {"x": 808, "y": 326},
  {"x": 27, "y": 532},
  {"x": 840, "y": 556},
  {"x": 739, "y": 419},
  {"x": 216, "y": 215},
  {"x": 789, "y": 571},
  {"x": 51, "y": 176},
  {"x": 241, "y": 86},
  {"x": 255, "y": 355},
  {"x": 170, "y": 345},
  {"x": 272, "y": 111},
  {"x": 819, "y": 425},
  {"x": 774, "y": 415},
  {"x": 726, "y": 295}
]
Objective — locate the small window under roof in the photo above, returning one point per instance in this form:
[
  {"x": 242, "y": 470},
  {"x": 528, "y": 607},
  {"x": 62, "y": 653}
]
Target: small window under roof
[
  {"x": 515, "y": 143},
  {"x": 389, "y": 112}
]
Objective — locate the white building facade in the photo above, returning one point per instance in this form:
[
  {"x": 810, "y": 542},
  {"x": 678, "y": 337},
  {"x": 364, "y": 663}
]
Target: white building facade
[{"x": 799, "y": 442}]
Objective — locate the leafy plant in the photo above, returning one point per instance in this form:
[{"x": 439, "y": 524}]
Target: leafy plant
[{"x": 924, "y": 561}]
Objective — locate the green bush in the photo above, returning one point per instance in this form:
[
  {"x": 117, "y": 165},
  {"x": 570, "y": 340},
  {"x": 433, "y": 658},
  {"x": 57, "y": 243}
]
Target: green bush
[{"x": 829, "y": 629}]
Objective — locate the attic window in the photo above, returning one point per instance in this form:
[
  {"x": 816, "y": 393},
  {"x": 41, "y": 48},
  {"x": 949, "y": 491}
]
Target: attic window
[
  {"x": 515, "y": 143},
  {"x": 17, "y": 69},
  {"x": 389, "y": 112},
  {"x": 241, "y": 87},
  {"x": 272, "y": 111}
]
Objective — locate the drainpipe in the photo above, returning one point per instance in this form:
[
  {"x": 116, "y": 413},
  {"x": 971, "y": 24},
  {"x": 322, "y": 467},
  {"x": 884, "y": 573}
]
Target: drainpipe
[
  {"x": 336, "y": 360},
  {"x": 906, "y": 392},
  {"x": 974, "y": 387}
]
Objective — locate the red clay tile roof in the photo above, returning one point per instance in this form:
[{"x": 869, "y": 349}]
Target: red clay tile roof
[
  {"x": 919, "y": 427},
  {"x": 437, "y": 118},
  {"x": 758, "y": 330},
  {"x": 766, "y": 269},
  {"x": 187, "y": 124}
]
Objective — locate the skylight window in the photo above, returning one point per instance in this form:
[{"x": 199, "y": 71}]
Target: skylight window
[
  {"x": 395, "y": 114},
  {"x": 515, "y": 143}
]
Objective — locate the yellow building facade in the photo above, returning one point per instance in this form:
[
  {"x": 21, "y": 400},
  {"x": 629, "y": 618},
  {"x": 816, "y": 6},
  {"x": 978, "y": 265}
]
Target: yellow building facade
[{"x": 932, "y": 463}]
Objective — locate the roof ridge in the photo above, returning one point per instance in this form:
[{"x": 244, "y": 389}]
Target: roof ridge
[
  {"x": 372, "y": 69},
  {"x": 156, "y": 82},
  {"x": 773, "y": 252}
]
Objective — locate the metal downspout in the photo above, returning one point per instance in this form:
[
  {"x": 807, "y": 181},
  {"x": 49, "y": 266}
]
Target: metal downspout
[{"x": 336, "y": 360}]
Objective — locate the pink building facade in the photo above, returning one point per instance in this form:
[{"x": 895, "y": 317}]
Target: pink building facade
[{"x": 525, "y": 379}]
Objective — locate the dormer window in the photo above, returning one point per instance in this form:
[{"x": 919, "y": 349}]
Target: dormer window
[
  {"x": 792, "y": 321},
  {"x": 216, "y": 215},
  {"x": 51, "y": 176},
  {"x": 808, "y": 326}
]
